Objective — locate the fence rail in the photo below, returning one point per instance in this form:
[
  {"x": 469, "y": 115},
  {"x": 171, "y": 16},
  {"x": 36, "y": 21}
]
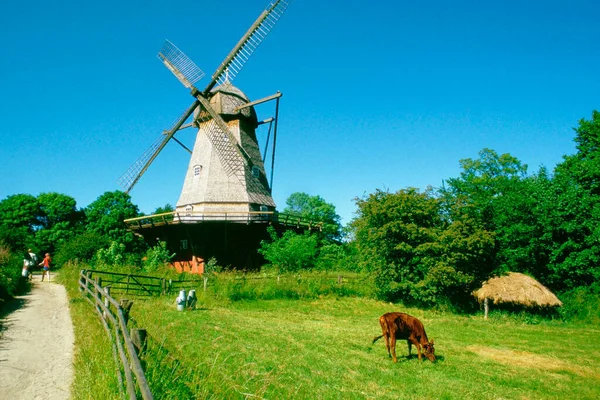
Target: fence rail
[
  {"x": 247, "y": 217},
  {"x": 114, "y": 314},
  {"x": 144, "y": 285}
]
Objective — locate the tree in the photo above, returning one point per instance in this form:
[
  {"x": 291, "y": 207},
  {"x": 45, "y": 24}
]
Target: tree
[
  {"x": 315, "y": 208},
  {"x": 164, "y": 209},
  {"x": 106, "y": 214},
  {"x": 575, "y": 257},
  {"x": 414, "y": 252},
  {"x": 59, "y": 219},
  {"x": 584, "y": 166},
  {"x": 483, "y": 181},
  {"x": 19, "y": 219},
  {"x": 497, "y": 193},
  {"x": 392, "y": 232}
]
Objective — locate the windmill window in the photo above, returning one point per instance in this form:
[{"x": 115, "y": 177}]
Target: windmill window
[
  {"x": 188, "y": 211},
  {"x": 197, "y": 170},
  {"x": 255, "y": 171}
]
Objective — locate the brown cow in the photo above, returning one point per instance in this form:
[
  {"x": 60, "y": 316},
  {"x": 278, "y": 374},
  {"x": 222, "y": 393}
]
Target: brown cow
[{"x": 397, "y": 325}]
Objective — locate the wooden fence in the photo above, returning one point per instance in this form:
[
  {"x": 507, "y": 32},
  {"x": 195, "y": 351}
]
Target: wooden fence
[
  {"x": 126, "y": 344},
  {"x": 139, "y": 285},
  {"x": 144, "y": 285},
  {"x": 98, "y": 288}
]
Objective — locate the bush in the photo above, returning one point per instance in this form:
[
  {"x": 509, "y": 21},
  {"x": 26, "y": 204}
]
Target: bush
[
  {"x": 82, "y": 248},
  {"x": 290, "y": 253},
  {"x": 157, "y": 257},
  {"x": 10, "y": 273},
  {"x": 581, "y": 304},
  {"x": 337, "y": 257},
  {"x": 113, "y": 256}
]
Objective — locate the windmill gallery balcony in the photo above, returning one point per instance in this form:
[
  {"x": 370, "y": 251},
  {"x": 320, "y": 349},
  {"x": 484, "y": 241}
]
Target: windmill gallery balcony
[
  {"x": 251, "y": 217},
  {"x": 233, "y": 238}
]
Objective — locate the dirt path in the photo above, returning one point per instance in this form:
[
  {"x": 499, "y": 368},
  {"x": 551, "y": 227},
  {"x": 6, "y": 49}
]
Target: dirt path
[{"x": 36, "y": 345}]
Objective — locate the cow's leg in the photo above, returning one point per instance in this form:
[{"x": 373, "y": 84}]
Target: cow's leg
[
  {"x": 418, "y": 346},
  {"x": 409, "y": 347},
  {"x": 419, "y": 351},
  {"x": 393, "y": 346},
  {"x": 387, "y": 343}
]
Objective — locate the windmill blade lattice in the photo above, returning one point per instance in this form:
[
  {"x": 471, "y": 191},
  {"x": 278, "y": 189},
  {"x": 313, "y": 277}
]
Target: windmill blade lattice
[
  {"x": 180, "y": 65},
  {"x": 243, "y": 50},
  {"x": 133, "y": 173},
  {"x": 233, "y": 157},
  {"x": 128, "y": 180},
  {"x": 234, "y": 160}
]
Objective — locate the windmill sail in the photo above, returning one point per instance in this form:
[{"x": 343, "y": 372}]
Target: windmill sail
[
  {"x": 137, "y": 169},
  {"x": 243, "y": 50},
  {"x": 180, "y": 65}
]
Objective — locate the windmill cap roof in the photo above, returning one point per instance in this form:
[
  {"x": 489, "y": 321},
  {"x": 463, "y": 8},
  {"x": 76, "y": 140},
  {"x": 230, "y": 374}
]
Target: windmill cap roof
[
  {"x": 228, "y": 88},
  {"x": 226, "y": 98}
]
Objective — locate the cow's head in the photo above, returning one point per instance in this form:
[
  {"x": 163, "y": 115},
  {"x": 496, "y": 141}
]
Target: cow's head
[{"x": 429, "y": 350}]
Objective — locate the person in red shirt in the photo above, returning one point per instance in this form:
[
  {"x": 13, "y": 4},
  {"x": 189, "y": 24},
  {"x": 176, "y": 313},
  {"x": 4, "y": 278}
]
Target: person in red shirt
[{"x": 46, "y": 266}]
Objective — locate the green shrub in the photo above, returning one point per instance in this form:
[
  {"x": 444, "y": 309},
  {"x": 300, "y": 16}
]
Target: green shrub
[
  {"x": 82, "y": 248},
  {"x": 291, "y": 252},
  {"x": 157, "y": 257},
  {"x": 212, "y": 266},
  {"x": 113, "y": 255},
  {"x": 581, "y": 304},
  {"x": 10, "y": 273},
  {"x": 337, "y": 257}
]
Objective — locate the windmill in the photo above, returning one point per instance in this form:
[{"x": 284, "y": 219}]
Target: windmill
[{"x": 226, "y": 173}]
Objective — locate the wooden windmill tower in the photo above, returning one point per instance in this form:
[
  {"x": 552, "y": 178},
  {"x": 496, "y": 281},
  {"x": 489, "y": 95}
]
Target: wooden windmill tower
[
  {"x": 226, "y": 173},
  {"x": 226, "y": 180}
]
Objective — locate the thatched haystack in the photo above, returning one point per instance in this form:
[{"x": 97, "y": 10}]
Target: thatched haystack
[{"x": 516, "y": 288}]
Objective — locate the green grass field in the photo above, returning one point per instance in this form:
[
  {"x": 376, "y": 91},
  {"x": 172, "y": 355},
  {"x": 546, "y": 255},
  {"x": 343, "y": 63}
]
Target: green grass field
[{"x": 320, "y": 348}]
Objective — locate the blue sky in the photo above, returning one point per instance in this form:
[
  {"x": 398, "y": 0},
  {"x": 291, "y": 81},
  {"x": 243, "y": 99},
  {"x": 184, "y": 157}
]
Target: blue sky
[{"x": 385, "y": 94}]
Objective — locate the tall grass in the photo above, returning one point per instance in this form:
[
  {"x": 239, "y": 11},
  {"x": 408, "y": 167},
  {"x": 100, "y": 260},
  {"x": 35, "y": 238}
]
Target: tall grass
[{"x": 271, "y": 286}]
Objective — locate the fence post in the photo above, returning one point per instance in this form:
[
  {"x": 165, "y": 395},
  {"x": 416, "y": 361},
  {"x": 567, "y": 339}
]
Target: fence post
[
  {"x": 98, "y": 292},
  {"x": 170, "y": 286},
  {"x": 82, "y": 280},
  {"x": 339, "y": 279},
  {"x": 106, "y": 302},
  {"x": 205, "y": 282},
  {"x": 126, "y": 306},
  {"x": 138, "y": 338}
]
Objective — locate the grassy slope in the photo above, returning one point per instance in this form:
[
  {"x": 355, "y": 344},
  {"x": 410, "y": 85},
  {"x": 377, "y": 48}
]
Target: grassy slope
[
  {"x": 321, "y": 349},
  {"x": 95, "y": 370}
]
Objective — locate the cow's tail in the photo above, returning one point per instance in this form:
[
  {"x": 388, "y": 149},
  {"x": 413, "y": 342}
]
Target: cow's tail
[{"x": 376, "y": 338}]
